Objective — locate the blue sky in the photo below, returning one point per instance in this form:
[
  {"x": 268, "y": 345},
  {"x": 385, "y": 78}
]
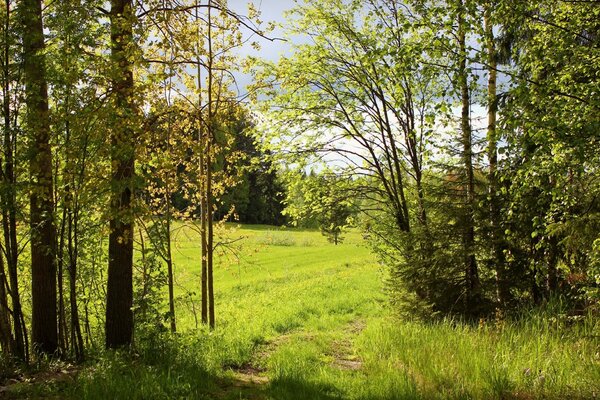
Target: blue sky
[{"x": 271, "y": 11}]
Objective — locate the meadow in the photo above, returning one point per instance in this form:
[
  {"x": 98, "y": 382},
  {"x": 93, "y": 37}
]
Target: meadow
[{"x": 300, "y": 318}]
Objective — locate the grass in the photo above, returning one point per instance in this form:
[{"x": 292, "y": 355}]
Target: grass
[{"x": 299, "y": 318}]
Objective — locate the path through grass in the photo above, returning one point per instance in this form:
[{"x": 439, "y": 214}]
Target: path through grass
[{"x": 299, "y": 318}]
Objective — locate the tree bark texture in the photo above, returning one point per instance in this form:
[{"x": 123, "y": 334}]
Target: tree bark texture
[
  {"x": 43, "y": 232},
  {"x": 471, "y": 273},
  {"x": 119, "y": 293}
]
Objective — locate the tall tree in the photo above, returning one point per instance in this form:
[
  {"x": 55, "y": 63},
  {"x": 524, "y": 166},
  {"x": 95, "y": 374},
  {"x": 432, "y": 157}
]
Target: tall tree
[
  {"x": 462, "y": 74},
  {"x": 119, "y": 293},
  {"x": 11, "y": 104},
  {"x": 74, "y": 102},
  {"x": 43, "y": 232},
  {"x": 491, "y": 61}
]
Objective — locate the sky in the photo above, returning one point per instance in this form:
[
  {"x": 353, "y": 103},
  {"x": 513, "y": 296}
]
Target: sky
[{"x": 271, "y": 11}]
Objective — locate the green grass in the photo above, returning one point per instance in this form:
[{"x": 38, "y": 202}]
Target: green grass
[{"x": 299, "y": 318}]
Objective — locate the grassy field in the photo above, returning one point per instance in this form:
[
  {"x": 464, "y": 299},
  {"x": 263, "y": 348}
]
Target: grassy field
[{"x": 299, "y": 318}]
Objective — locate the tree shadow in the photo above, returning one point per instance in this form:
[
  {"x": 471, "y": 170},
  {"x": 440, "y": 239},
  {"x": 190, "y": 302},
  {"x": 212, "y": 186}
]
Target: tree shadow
[{"x": 292, "y": 389}]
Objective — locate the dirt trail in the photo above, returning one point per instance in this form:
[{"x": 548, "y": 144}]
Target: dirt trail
[
  {"x": 61, "y": 375},
  {"x": 251, "y": 381}
]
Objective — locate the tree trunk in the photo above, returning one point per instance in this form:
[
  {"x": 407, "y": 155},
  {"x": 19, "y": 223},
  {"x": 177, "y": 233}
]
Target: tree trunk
[
  {"x": 169, "y": 256},
  {"x": 119, "y": 293},
  {"x": 9, "y": 201},
  {"x": 209, "y": 242},
  {"x": 169, "y": 211},
  {"x": 43, "y": 232},
  {"x": 202, "y": 179},
  {"x": 63, "y": 342},
  {"x": 471, "y": 273},
  {"x": 73, "y": 248},
  {"x": 502, "y": 289},
  {"x": 9, "y": 340},
  {"x": 209, "y": 203},
  {"x": 204, "y": 246},
  {"x": 6, "y": 339}
]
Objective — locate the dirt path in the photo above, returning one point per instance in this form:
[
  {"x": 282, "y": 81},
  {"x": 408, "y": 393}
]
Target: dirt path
[
  {"x": 60, "y": 375},
  {"x": 252, "y": 381}
]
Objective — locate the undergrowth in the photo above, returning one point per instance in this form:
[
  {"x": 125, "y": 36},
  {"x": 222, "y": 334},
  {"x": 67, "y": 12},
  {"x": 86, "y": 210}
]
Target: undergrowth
[{"x": 300, "y": 322}]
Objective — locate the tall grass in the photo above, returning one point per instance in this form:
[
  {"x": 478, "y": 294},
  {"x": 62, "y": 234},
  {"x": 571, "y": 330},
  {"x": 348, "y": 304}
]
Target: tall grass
[
  {"x": 310, "y": 322},
  {"x": 528, "y": 358}
]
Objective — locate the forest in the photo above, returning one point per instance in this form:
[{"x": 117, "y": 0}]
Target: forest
[{"x": 402, "y": 204}]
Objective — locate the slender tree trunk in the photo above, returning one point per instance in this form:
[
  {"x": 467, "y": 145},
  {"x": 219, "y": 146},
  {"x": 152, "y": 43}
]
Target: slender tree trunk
[
  {"x": 6, "y": 339},
  {"x": 9, "y": 201},
  {"x": 43, "y": 232},
  {"x": 203, "y": 234},
  {"x": 170, "y": 280},
  {"x": 502, "y": 290},
  {"x": 72, "y": 247},
  {"x": 6, "y": 333},
  {"x": 209, "y": 242},
  {"x": 471, "y": 273},
  {"x": 169, "y": 258},
  {"x": 62, "y": 324},
  {"x": 119, "y": 293},
  {"x": 209, "y": 203},
  {"x": 9, "y": 226},
  {"x": 202, "y": 182}
]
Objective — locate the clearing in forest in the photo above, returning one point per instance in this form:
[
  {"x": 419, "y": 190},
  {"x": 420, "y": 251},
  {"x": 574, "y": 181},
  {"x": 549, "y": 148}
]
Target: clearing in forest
[{"x": 300, "y": 318}]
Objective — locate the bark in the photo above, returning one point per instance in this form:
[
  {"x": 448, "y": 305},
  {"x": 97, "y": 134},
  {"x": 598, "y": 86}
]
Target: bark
[
  {"x": 11, "y": 343},
  {"x": 203, "y": 236},
  {"x": 209, "y": 202},
  {"x": 471, "y": 272},
  {"x": 62, "y": 324},
  {"x": 498, "y": 261},
  {"x": 43, "y": 232},
  {"x": 6, "y": 339},
  {"x": 169, "y": 257},
  {"x": 209, "y": 245},
  {"x": 73, "y": 246},
  {"x": 9, "y": 220},
  {"x": 119, "y": 293},
  {"x": 202, "y": 182}
]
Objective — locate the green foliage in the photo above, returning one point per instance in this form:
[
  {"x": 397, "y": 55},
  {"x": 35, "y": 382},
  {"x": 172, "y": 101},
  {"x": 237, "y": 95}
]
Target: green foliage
[
  {"x": 550, "y": 173},
  {"x": 317, "y": 326},
  {"x": 257, "y": 197},
  {"x": 320, "y": 200},
  {"x": 375, "y": 93},
  {"x": 149, "y": 281}
]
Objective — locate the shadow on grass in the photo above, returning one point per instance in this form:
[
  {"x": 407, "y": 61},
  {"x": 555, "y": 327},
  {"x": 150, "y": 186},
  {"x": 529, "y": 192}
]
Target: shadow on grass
[{"x": 292, "y": 389}]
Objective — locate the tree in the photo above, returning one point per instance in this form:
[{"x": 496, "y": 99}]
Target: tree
[
  {"x": 322, "y": 198},
  {"x": 119, "y": 300},
  {"x": 492, "y": 58},
  {"x": 363, "y": 95},
  {"x": 258, "y": 195},
  {"x": 43, "y": 232},
  {"x": 333, "y": 209},
  {"x": 78, "y": 133},
  {"x": 550, "y": 117},
  {"x": 340, "y": 97},
  {"x": 11, "y": 174},
  {"x": 471, "y": 272}
]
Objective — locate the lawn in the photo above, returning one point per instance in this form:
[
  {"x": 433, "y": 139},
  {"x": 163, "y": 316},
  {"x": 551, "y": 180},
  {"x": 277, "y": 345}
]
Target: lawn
[{"x": 300, "y": 318}]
